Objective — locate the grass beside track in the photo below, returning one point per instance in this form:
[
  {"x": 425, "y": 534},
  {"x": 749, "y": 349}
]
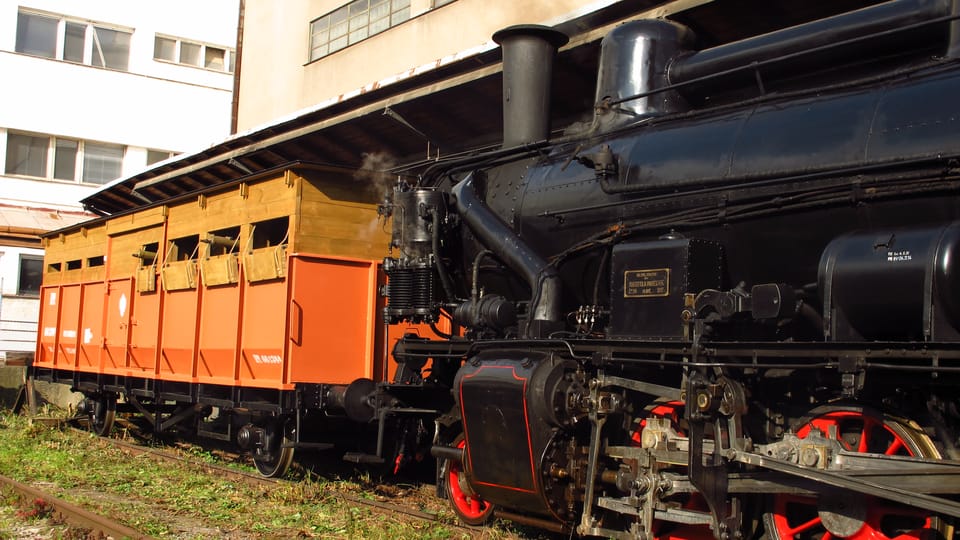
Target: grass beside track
[{"x": 169, "y": 501}]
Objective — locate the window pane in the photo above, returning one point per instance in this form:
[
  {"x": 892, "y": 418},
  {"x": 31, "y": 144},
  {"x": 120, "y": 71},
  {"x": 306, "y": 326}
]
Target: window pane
[
  {"x": 31, "y": 275},
  {"x": 165, "y": 49},
  {"x": 73, "y": 43},
  {"x": 37, "y": 35},
  {"x": 189, "y": 53},
  {"x": 400, "y": 16},
  {"x": 111, "y": 48},
  {"x": 154, "y": 156},
  {"x": 358, "y": 6},
  {"x": 379, "y": 9},
  {"x": 213, "y": 58},
  {"x": 232, "y": 66},
  {"x": 101, "y": 162},
  {"x": 379, "y": 25},
  {"x": 27, "y": 155},
  {"x": 337, "y": 44},
  {"x": 359, "y": 35},
  {"x": 65, "y": 159},
  {"x": 317, "y": 52},
  {"x": 338, "y": 30}
]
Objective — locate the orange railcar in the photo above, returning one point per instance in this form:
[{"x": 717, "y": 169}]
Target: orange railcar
[{"x": 256, "y": 301}]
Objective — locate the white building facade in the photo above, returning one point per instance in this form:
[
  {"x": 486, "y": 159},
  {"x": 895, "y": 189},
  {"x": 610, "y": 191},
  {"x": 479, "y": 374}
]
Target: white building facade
[{"x": 95, "y": 91}]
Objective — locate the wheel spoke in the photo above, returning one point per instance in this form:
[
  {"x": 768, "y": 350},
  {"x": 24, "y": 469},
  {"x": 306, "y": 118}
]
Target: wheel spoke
[
  {"x": 864, "y": 431},
  {"x": 864, "y": 438},
  {"x": 803, "y": 527},
  {"x": 894, "y": 447}
]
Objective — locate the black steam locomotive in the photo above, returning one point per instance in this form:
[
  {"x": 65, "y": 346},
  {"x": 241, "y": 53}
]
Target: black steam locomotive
[{"x": 728, "y": 305}]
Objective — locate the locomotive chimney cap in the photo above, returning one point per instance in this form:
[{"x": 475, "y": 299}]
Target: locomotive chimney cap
[{"x": 555, "y": 38}]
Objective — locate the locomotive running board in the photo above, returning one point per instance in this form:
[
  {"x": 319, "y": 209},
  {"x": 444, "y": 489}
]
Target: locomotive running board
[{"x": 935, "y": 473}]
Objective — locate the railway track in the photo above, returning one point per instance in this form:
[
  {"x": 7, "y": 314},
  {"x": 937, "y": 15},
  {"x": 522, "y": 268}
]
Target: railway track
[
  {"x": 73, "y": 515},
  {"x": 258, "y": 481}
]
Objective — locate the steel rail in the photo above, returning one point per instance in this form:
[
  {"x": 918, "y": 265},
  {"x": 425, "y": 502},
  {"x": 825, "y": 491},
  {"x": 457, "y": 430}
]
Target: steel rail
[
  {"x": 74, "y": 515},
  {"x": 260, "y": 481}
]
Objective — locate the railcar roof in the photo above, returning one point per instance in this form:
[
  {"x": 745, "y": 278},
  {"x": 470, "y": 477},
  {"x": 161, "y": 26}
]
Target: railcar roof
[{"x": 454, "y": 104}]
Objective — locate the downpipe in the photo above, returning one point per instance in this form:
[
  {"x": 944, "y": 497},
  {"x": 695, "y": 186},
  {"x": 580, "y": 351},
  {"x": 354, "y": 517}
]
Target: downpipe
[{"x": 499, "y": 238}]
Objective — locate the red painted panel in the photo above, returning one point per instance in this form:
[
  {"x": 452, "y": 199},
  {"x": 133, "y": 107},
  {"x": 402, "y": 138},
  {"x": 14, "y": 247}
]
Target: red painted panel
[
  {"x": 116, "y": 330},
  {"x": 219, "y": 330},
  {"x": 68, "y": 326},
  {"x": 91, "y": 327},
  {"x": 333, "y": 320},
  {"x": 178, "y": 343},
  {"x": 47, "y": 333},
  {"x": 263, "y": 334}
]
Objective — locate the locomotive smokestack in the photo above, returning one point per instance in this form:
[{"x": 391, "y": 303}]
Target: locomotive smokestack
[{"x": 528, "y": 52}]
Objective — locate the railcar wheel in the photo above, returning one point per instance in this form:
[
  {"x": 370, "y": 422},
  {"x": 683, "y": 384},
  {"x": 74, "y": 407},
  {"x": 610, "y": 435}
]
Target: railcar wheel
[
  {"x": 274, "y": 456},
  {"x": 101, "y": 410},
  {"x": 470, "y": 508},
  {"x": 858, "y": 517}
]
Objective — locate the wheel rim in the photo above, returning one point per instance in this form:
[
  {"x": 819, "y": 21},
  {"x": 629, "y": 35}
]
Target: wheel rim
[
  {"x": 856, "y": 517},
  {"x": 102, "y": 414},
  {"x": 275, "y": 458},
  {"x": 471, "y": 508}
]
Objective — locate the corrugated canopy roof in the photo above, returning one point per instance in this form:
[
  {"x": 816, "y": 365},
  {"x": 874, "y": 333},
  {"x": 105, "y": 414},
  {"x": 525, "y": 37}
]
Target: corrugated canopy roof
[{"x": 455, "y": 106}]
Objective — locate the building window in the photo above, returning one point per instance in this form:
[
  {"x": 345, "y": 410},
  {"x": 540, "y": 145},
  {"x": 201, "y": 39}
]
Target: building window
[
  {"x": 31, "y": 275},
  {"x": 101, "y": 162},
  {"x": 156, "y": 156},
  {"x": 27, "y": 154},
  {"x": 81, "y": 42},
  {"x": 72, "y": 160},
  {"x": 191, "y": 53},
  {"x": 438, "y": 3},
  {"x": 355, "y": 22}
]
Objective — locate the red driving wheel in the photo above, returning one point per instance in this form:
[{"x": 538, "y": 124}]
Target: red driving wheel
[
  {"x": 848, "y": 515},
  {"x": 466, "y": 504}
]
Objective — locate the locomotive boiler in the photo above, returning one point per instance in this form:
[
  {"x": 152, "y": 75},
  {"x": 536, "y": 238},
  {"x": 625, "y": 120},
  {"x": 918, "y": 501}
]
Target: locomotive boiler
[{"x": 727, "y": 305}]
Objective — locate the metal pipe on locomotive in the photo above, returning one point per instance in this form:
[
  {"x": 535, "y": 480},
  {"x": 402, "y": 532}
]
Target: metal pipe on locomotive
[{"x": 727, "y": 304}]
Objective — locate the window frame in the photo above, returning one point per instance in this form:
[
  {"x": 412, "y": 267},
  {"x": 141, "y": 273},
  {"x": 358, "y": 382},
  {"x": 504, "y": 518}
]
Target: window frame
[
  {"x": 351, "y": 16},
  {"x": 21, "y": 290},
  {"x": 50, "y": 158},
  {"x": 228, "y": 53},
  {"x": 90, "y": 39}
]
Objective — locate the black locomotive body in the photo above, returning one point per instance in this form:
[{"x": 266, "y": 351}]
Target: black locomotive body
[{"x": 728, "y": 305}]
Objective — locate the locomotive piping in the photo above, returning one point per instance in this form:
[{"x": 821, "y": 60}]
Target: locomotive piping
[
  {"x": 846, "y": 27},
  {"x": 500, "y": 239}
]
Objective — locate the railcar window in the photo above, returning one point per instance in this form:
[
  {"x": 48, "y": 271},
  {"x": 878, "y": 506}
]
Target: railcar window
[
  {"x": 147, "y": 254},
  {"x": 223, "y": 241},
  {"x": 270, "y": 233},
  {"x": 182, "y": 249}
]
